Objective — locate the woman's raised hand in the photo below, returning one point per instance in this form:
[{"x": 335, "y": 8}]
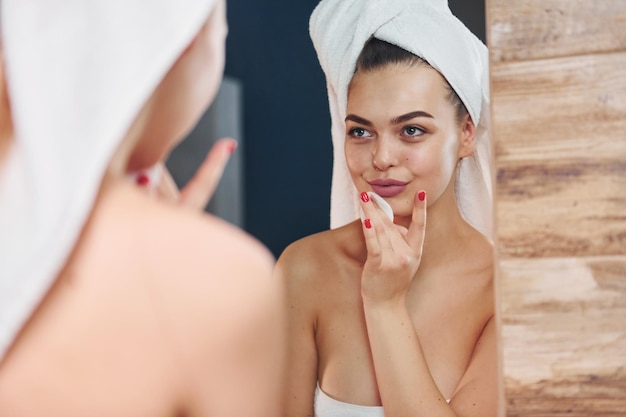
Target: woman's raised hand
[
  {"x": 393, "y": 252},
  {"x": 199, "y": 190}
]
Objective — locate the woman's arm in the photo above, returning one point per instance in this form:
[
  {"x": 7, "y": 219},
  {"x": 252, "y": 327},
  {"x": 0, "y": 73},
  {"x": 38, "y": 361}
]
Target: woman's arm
[
  {"x": 477, "y": 392},
  {"x": 294, "y": 271},
  {"x": 406, "y": 385}
]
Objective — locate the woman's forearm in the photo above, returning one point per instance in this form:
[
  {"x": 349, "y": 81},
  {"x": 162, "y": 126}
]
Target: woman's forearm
[{"x": 406, "y": 386}]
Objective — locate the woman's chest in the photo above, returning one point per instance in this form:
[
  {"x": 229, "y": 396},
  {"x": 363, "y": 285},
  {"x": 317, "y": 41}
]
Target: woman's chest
[{"x": 447, "y": 331}]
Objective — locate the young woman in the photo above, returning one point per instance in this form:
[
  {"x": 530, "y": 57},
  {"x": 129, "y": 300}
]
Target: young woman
[
  {"x": 394, "y": 316},
  {"x": 113, "y": 302}
]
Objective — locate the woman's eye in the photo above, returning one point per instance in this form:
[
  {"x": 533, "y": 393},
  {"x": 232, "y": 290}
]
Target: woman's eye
[
  {"x": 413, "y": 131},
  {"x": 359, "y": 132}
]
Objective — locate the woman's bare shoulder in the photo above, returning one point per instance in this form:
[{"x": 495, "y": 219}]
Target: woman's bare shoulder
[
  {"x": 167, "y": 235},
  {"x": 217, "y": 290},
  {"x": 170, "y": 300},
  {"x": 308, "y": 256},
  {"x": 203, "y": 267}
]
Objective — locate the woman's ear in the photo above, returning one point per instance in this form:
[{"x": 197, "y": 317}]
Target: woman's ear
[{"x": 467, "y": 137}]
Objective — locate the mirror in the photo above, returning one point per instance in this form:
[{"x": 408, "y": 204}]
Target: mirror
[{"x": 287, "y": 157}]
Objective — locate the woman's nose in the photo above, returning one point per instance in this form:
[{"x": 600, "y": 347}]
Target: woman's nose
[{"x": 383, "y": 154}]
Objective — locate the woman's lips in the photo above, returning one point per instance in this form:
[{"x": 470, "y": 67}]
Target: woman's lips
[{"x": 387, "y": 188}]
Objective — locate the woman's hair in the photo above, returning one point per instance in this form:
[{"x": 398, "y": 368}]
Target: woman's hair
[{"x": 377, "y": 54}]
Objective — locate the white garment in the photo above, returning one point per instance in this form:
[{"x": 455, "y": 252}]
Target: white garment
[
  {"x": 339, "y": 30},
  {"x": 78, "y": 73},
  {"x": 326, "y": 406}
]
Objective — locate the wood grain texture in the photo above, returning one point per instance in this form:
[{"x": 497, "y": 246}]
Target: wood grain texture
[
  {"x": 558, "y": 78},
  {"x": 569, "y": 107},
  {"x": 564, "y": 333},
  {"x": 560, "y": 151},
  {"x": 538, "y": 29}
]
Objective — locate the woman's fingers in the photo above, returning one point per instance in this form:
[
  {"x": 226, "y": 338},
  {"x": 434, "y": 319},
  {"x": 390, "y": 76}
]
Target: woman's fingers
[
  {"x": 166, "y": 187},
  {"x": 382, "y": 236},
  {"x": 391, "y": 261},
  {"x": 201, "y": 187},
  {"x": 417, "y": 228},
  {"x": 372, "y": 219},
  {"x": 403, "y": 230}
]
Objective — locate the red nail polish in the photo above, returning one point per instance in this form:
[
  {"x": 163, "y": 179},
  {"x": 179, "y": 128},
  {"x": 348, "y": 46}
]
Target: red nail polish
[
  {"x": 367, "y": 223},
  {"x": 143, "y": 179},
  {"x": 364, "y": 197},
  {"x": 232, "y": 146},
  {"x": 421, "y": 195}
]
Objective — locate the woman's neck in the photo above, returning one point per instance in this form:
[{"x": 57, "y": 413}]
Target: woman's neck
[{"x": 118, "y": 167}]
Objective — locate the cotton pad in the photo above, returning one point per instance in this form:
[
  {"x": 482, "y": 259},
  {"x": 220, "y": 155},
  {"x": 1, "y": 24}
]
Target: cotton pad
[{"x": 384, "y": 205}]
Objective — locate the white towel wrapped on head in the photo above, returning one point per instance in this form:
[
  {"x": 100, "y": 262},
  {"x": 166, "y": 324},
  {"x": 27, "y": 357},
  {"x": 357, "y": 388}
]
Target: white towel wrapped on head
[
  {"x": 428, "y": 29},
  {"x": 78, "y": 73}
]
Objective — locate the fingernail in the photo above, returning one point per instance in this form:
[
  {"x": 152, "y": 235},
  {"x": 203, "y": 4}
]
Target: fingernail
[
  {"x": 232, "y": 146},
  {"x": 364, "y": 197},
  {"x": 142, "y": 179},
  {"x": 421, "y": 195},
  {"x": 367, "y": 223}
]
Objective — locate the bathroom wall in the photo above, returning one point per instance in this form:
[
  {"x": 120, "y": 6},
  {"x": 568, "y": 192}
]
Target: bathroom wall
[{"x": 558, "y": 73}]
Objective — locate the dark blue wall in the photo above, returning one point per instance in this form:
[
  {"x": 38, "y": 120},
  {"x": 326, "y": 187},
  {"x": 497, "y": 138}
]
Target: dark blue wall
[{"x": 288, "y": 152}]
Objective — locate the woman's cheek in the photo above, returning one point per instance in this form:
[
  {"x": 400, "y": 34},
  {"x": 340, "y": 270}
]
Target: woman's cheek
[
  {"x": 417, "y": 163},
  {"x": 356, "y": 158}
]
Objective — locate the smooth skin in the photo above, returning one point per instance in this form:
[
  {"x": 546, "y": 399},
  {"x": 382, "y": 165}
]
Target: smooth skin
[
  {"x": 160, "y": 310},
  {"x": 399, "y": 315}
]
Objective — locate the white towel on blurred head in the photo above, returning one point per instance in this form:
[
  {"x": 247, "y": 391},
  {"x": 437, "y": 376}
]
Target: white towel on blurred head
[
  {"x": 78, "y": 73},
  {"x": 339, "y": 30}
]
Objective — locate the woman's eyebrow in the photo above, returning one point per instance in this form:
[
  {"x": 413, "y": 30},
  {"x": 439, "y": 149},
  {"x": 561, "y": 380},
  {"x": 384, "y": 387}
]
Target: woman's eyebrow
[
  {"x": 358, "y": 120},
  {"x": 409, "y": 116},
  {"x": 396, "y": 120}
]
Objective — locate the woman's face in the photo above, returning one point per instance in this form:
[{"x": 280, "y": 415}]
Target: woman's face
[{"x": 402, "y": 135}]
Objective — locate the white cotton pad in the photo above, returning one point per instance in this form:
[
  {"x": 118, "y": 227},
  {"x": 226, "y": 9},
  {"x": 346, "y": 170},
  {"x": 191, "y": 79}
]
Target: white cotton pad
[{"x": 384, "y": 205}]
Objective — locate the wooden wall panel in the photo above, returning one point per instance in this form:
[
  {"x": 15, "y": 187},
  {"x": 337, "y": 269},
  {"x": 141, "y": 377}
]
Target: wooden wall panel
[
  {"x": 536, "y": 29},
  {"x": 558, "y": 78},
  {"x": 564, "y": 337},
  {"x": 560, "y": 127}
]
